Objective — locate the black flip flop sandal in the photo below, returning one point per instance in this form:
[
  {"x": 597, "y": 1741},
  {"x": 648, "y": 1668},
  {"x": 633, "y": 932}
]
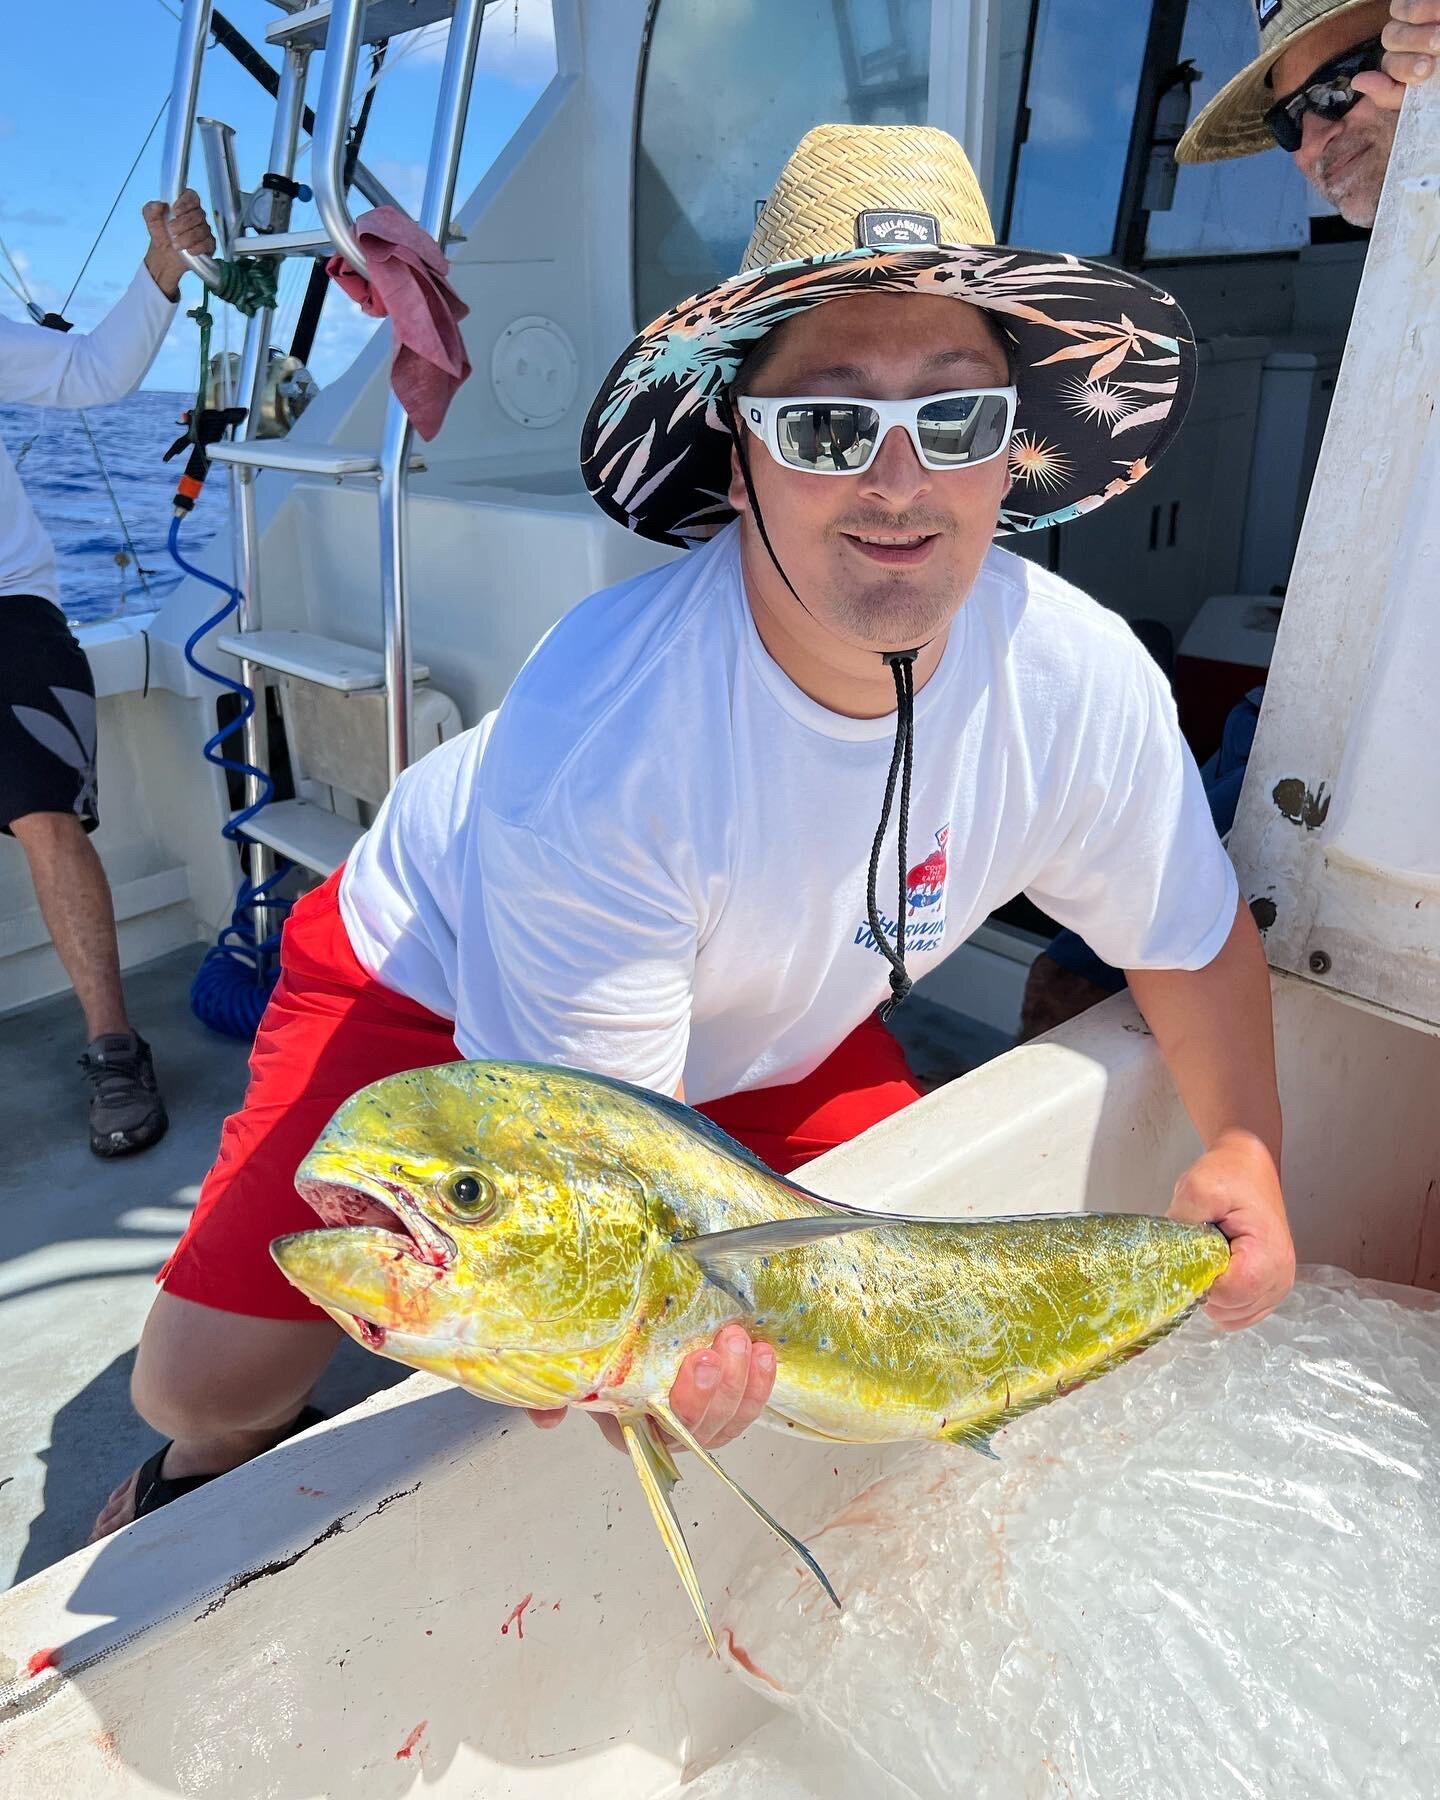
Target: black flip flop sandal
[{"x": 154, "y": 1490}]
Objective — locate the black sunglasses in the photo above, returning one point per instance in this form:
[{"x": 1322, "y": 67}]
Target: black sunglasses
[{"x": 1327, "y": 93}]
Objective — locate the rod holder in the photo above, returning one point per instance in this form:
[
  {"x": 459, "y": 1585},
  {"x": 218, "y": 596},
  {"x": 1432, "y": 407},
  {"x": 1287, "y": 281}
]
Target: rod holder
[{"x": 217, "y": 141}]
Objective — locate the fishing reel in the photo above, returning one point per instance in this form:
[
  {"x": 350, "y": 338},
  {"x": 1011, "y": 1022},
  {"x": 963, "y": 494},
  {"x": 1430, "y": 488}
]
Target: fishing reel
[{"x": 289, "y": 389}]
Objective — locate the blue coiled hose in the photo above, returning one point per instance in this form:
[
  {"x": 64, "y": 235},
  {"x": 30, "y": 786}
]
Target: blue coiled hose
[{"x": 233, "y": 983}]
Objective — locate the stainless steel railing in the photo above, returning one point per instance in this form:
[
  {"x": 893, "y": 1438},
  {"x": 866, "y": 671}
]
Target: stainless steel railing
[{"x": 456, "y": 79}]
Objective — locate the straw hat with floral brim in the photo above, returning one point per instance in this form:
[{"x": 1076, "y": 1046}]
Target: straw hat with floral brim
[
  {"x": 1104, "y": 363},
  {"x": 1232, "y": 123}
]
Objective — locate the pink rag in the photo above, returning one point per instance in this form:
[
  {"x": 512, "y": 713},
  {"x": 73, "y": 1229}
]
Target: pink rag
[{"x": 409, "y": 284}]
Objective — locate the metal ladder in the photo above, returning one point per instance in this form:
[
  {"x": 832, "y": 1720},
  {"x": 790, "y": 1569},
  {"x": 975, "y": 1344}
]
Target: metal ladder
[{"x": 305, "y": 833}]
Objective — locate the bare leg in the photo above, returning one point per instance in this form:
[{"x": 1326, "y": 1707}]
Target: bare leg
[
  {"x": 75, "y": 904},
  {"x": 221, "y": 1385}
]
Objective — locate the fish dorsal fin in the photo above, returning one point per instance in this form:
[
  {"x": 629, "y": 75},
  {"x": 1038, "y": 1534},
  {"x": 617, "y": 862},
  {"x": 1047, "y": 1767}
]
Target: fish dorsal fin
[{"x": 732, "y": 1250}]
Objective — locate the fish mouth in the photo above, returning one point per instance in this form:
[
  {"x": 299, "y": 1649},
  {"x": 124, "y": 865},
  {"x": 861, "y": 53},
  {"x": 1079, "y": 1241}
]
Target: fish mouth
[{"x": 342, "y": 1196}]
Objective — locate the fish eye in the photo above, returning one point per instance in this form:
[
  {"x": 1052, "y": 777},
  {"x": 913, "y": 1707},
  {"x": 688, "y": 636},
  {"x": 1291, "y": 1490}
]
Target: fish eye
[{"x": 468, "y": 1194}]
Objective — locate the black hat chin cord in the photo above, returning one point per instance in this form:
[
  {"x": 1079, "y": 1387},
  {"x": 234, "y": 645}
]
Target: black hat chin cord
[
  {"x": 902, "y": 759},
  {"x": 901, "y": 664}
]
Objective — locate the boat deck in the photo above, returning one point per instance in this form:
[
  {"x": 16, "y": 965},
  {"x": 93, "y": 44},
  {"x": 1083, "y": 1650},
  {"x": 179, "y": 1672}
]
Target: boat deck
[
  {"x": 83, "y": 1239},
  {"x": 81, "y": 1243}
]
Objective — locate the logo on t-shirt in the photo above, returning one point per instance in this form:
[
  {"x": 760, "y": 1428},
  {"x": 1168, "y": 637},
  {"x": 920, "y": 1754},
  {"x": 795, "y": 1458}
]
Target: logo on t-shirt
[
  {"x": 924, "y": 910},
  {"x": 925, "y": 883}
]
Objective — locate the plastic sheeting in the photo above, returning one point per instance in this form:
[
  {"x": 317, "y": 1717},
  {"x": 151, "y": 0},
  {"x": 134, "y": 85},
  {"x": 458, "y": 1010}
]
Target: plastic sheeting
[{"x": 1216, "y": 1572}]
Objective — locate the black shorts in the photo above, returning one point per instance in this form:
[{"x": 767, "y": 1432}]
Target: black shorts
[{"x": 47, "y": 715}]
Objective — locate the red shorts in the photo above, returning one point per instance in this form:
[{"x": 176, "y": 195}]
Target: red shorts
[{"x": 331, "y": 1028}]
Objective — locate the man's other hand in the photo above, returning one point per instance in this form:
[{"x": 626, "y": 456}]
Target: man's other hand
[
  {"x": 1412, "y": 46},
  {"x": 1235, "y": 1185},
  {"x": 172, "y": 230}
]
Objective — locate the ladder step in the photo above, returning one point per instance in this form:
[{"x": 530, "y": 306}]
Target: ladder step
[
  {"x": 306, "y": 834},
  {"x": 284, "y": 243},
  {"x": 348, "y": 668},
  {"x": 310, "y": 25},
  {"x": 297, "y": 459},
  {"x": 302, "y": 459}
]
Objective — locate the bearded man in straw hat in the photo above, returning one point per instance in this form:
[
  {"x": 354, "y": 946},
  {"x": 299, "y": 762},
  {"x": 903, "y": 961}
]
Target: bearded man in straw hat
[
  {"x": 729, "y": 807},
  {"x": 1326, "y": 87}
]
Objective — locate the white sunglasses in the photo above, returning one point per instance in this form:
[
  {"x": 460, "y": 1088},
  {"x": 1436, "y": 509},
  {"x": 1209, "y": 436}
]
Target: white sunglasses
[{"x": 827, "y": 435}]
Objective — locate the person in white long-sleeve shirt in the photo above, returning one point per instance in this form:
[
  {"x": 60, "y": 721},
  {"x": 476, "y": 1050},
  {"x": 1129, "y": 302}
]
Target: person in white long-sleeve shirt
[{"x": 48, "y": 798}]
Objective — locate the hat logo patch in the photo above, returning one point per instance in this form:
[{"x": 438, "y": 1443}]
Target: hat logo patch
[
  {"x": 1265, "y": 11},
  {"x": 897, "y": 230}
]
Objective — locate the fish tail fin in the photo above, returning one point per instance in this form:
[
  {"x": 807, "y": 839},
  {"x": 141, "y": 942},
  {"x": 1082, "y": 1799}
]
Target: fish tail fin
[
  {"x": 686, "y": 1437},
  {"x": 658, "y": 1476}
]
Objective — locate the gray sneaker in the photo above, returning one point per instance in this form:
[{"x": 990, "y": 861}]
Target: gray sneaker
[{"x": 126, "y": 1111}]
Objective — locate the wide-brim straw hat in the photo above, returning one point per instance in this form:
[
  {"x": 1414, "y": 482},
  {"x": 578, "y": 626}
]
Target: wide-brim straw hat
[
  {"x": 1232, "y": 123},
  {"x": 1103, "y": 363}
]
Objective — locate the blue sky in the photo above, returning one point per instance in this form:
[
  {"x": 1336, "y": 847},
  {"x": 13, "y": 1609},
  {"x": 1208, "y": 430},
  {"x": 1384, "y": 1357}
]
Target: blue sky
[{"x": 83, "y": 82}]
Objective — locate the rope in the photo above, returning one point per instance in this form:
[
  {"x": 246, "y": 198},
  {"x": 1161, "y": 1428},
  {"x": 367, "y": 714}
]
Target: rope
[
  {"x": 13, "y": 289},
  {"x": 24, "y": 297},
  {"x": 32, "y": 441},
  {"x": 233, "y": 983},
  {"x": 65, "y": 307},
  {"x": 248, "y": 284},
  {"x": 115, "y": 502}
]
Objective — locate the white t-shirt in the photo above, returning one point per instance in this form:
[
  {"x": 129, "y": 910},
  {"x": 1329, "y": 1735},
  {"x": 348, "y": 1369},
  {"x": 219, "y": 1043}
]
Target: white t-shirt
[
  {"x": 39, "y": 367},
  {"x": 651, "y": 862}
]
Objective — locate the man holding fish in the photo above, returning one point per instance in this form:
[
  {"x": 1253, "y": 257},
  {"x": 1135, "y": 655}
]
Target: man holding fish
[{"x": 729, "y": 806}]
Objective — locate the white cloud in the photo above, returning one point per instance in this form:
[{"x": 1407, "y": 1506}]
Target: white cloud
[
  {"x": 46, "y": 293},
  {"x": 344, "y": 332},
  {"x": 517, "y": 43},
  {"x": 417, "y": 48},
  {"x": 405, "y": 180}
]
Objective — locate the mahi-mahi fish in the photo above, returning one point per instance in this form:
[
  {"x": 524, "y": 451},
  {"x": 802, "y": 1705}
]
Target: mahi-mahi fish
[{"x": 547, "y": 1238}]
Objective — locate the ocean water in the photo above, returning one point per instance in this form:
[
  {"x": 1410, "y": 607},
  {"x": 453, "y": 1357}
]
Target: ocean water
[{"x": 67, "y": 490}]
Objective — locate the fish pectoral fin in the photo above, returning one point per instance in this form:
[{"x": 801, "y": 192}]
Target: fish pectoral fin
[
  {"x": 658, "y": 1475},
  {"x": 672, "y": 1424}
]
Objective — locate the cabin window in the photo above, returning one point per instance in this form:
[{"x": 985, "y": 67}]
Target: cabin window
[
  {"x": 1084, "y": 62},
  {"x": 1069, "y": 79},
  {"x": 728, "y": 88},
  {"x": 1254, "y": 203}
]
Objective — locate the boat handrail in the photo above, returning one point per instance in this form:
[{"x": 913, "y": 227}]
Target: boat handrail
[
  {"x": 184, "y": 96},
  {"x": 332, "y": 124}
]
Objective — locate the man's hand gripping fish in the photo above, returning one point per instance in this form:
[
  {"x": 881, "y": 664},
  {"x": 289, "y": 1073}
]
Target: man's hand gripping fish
[{"x": 546, "y": 1238}]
